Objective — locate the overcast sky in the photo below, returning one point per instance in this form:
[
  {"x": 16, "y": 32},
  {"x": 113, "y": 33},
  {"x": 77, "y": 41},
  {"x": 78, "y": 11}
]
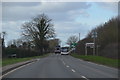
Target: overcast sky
[{"x": 69, "y": 18}]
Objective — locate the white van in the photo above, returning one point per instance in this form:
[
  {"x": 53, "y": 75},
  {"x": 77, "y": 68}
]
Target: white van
[{"x": 57, "y": 49}]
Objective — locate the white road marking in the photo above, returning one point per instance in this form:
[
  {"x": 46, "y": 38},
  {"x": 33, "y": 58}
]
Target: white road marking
[
  {"x": 80, "y": 59},
  {"x": 106, "y": 66},
  {"x": 14, "y": 70},
  {"x": 73, "y": 70},
  {"x": 84, "y": 77},
  {"x": 100, "y": 65},
  {"x": 92, "y": 63},
  {"x": 63, "y": 62},
  {"x": 67, "y": 66}
]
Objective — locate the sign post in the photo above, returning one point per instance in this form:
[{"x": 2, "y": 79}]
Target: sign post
[
  {"x": 94, "y": 35},
  {"x": 91, "y": 45},
  {"x": 85, "y": 50},
  {"x": 73, "y": 46}
]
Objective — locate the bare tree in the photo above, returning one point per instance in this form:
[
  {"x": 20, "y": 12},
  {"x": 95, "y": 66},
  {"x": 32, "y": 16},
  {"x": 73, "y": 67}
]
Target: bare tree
[
  {"x": 72, "y": 40},
  {"x": 39, "y": 30}
]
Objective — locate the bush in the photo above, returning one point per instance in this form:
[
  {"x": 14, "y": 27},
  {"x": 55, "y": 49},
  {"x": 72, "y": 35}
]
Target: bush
[{"x": 21, "y": 53}]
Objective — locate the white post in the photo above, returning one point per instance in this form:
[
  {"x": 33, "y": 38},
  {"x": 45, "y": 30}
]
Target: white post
[
  {"x": 94, "y": 46},
  {"x": 86, "y": 50},
  {"x": 79, "y": 36},
  {"x": 94, "y": 34}
]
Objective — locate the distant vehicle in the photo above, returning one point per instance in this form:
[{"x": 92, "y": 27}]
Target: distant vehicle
[
  {"x": 64, "y": 50},
  {"x": 57, "y": 49}
]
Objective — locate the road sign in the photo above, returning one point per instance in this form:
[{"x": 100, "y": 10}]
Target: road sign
[
  {"x": 91, "y": 45},
  {"x": 74, "y": 44}
]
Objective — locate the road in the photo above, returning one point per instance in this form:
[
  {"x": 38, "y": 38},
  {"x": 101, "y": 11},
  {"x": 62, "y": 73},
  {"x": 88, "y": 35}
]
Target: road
[{"x": 63, "y": 66}]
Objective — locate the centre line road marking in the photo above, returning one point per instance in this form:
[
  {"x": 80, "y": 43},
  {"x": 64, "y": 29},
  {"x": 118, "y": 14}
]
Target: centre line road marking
[
  {"x": 14, "y": 70},
  {"x": 73, "y": 70},
  {"x": 84, "y": 77},
  {"x": 67, "y": 66},
  {"x": 63, "y": 62}
]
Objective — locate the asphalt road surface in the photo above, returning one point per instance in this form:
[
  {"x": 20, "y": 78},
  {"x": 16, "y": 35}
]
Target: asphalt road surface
[{"x": 63, "y": 66}]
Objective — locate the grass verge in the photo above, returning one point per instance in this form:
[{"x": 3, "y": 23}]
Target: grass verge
[
  {"x": 9, "y": 61},
  {"x": 100, "y": 60}
]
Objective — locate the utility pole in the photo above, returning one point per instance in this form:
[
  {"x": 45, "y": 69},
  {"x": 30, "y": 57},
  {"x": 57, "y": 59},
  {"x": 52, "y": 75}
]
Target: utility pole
[
  {"x": 94, "y": 46},
  {"x": 94, "y": 35},
  {"x": 79, "y": 36},
  {"x": 97, "y": 49},
  {"x": 85, "y": 49}
]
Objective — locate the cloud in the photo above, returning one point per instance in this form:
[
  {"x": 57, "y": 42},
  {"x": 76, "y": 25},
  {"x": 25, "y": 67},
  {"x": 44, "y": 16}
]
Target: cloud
[
  {"x": 13, "y": 29},
  {"x": 69, "y": 18},
  {"x": 71, "y": 28},
  {"x": 78, "y": 13},
  {"x": 16, "y": 13},
  {"x": 61, "y": 0},
  {"x": 111, "y": 6},
  {"x": 109, "y": 0},
  {"x": 24, "y": 11},
  {"x": 16, "y": 4},
  {"x": 63, "y": 6}
]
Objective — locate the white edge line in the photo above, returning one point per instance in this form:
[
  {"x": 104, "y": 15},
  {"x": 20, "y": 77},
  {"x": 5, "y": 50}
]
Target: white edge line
[
  {"x": 84, "y": 77},
  {"x": 101, "y": 65},
  {"x": 73, "y": 70},
  {"x": 14, "y": 70}
]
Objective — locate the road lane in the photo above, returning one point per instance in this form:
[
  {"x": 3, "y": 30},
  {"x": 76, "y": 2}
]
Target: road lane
[
  {"x": 49, "y": 67},
  {"x": 63, "y": 66},
  {"x": 90, "y": 70}
]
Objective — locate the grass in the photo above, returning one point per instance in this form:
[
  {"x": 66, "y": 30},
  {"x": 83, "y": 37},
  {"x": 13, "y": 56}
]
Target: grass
[
  {"x": 99, "y": 60},
  {"x": 9, "y": 61}
]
